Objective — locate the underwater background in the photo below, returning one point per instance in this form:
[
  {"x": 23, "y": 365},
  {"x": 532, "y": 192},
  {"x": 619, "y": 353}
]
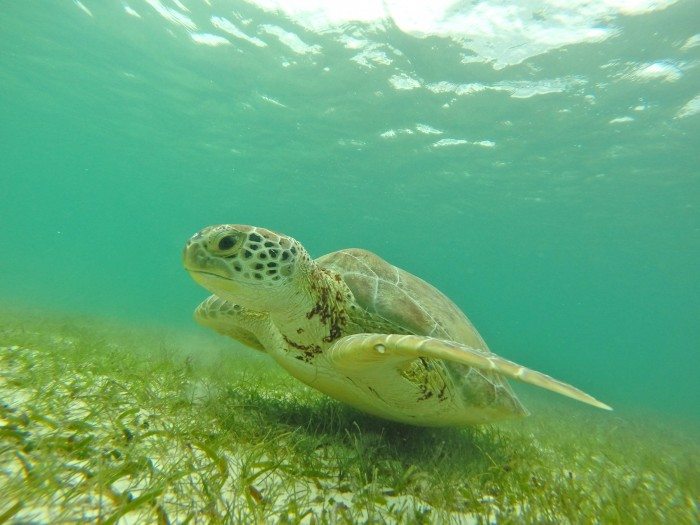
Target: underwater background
[{"x": 536, "y": 161}]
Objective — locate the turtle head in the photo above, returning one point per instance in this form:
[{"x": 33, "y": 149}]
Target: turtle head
[{"x": 250, "y": 266}]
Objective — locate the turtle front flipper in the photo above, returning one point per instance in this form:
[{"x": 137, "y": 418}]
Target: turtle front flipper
[
  {"x": 362, "y": 352},
  {"x": 227, "y": 319}
]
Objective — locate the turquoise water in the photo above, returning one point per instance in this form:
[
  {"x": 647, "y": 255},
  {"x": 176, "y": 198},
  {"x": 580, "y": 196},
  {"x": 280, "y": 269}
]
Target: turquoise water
[{"x": 539, "y": 166}]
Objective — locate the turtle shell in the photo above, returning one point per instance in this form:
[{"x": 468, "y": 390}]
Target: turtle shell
[{"x": 401, "y": 298}]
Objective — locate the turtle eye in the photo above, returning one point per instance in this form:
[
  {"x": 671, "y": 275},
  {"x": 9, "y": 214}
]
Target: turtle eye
[{"x": 227, "y": 242}]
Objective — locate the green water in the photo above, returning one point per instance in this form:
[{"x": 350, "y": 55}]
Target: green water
[{"x": 565, "y": 223}]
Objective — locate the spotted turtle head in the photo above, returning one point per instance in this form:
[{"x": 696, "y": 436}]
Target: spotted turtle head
[{"x": 247, "y": 265}]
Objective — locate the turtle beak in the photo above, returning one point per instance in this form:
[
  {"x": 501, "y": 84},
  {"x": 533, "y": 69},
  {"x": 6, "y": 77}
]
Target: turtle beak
[
  {"x": 196, "y": 258},
  {"x": 191, "y": 253},
  {"x": 207, "y": 270}
]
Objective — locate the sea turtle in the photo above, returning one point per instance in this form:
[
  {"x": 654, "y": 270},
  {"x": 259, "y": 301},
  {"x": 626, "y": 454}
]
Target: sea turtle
[{"x": 356, "y": 328}]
